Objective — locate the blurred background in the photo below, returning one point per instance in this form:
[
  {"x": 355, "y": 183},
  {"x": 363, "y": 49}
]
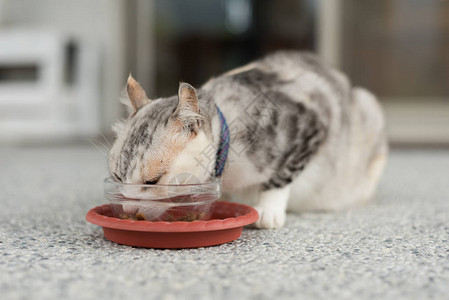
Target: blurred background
[{"x": 64, "y": 63}]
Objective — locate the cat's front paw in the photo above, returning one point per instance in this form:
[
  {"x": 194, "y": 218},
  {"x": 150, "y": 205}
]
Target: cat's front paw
[{"x": 270, "y": 218}]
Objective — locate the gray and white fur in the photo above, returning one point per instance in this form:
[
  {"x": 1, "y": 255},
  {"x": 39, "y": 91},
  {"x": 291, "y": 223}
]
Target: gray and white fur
[{"x": 302, "y": 138}]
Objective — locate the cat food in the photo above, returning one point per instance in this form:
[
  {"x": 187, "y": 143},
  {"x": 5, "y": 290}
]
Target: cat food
[
  {"x": 189, "y": 217},
  {"x": 137, "y": 217}
]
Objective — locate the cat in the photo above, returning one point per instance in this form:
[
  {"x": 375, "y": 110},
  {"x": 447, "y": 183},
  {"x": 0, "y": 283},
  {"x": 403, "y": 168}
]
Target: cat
[{"x": 290, "y": 132}]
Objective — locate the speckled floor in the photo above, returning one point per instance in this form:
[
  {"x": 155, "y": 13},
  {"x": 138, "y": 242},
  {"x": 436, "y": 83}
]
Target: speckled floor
[{"x": 395, "y": 248}]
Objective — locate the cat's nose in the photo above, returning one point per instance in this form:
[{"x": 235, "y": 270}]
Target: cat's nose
[
  {"x": 151, "y": 181},
  {"x": 144, "y": 188}
]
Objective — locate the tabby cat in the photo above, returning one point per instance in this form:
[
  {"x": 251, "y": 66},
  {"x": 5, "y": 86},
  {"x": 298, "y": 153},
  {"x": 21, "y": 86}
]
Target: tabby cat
[{"x": 285, "y": 132}]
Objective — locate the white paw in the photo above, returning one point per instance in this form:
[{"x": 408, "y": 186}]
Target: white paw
[{"x": 270, "y": 218}]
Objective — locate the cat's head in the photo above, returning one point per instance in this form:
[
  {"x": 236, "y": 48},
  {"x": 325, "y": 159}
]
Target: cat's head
[{"x": 162, "y": 138}]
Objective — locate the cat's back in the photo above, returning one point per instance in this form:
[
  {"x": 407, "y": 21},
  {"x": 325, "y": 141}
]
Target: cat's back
[
  {"x": 302, "y": 68},
  {"x": 281, "y": 61},
  {"x": 297, "y": 61},
  {"x": 293, "y": 72}
]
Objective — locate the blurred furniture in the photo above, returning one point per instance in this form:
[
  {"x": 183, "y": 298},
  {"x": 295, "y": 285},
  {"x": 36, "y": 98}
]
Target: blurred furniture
[
  {"x": 399, "y": 49},
  {"x": 48, "y": 86}
]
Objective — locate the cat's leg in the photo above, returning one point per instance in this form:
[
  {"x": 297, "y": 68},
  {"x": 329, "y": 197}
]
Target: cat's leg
[
  {"x": 369, "y": 131},
  {"x": 272, "y": 207}
]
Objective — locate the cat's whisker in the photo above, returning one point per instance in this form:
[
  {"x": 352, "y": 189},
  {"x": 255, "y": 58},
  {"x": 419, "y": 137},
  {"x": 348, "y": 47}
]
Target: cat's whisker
[
  {"x": 103, "y": 146},
  {"x": 102, "y": 151},
  {"x": 110, "y": 146}
]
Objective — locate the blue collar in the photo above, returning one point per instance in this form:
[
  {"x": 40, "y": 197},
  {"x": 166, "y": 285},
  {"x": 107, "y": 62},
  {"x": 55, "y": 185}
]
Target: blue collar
[{"x": 223, "y": 147}]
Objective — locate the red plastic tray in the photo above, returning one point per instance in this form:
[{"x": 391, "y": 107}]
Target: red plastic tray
[{"x": 225, "y": 226}]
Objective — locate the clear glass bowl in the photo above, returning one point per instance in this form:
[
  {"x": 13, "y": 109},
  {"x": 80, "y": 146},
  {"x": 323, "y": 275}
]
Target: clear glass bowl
[{"x": 162, "y": 202}]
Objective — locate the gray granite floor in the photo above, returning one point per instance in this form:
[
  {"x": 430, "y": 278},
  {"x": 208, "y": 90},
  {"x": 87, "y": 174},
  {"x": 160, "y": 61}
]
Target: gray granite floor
[{"x": 394, "y": 248}]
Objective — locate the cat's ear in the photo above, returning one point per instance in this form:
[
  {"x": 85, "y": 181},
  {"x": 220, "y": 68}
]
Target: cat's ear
[
  {"x": 188, "y": 109},
  {"x": 136, "y": 94}
]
